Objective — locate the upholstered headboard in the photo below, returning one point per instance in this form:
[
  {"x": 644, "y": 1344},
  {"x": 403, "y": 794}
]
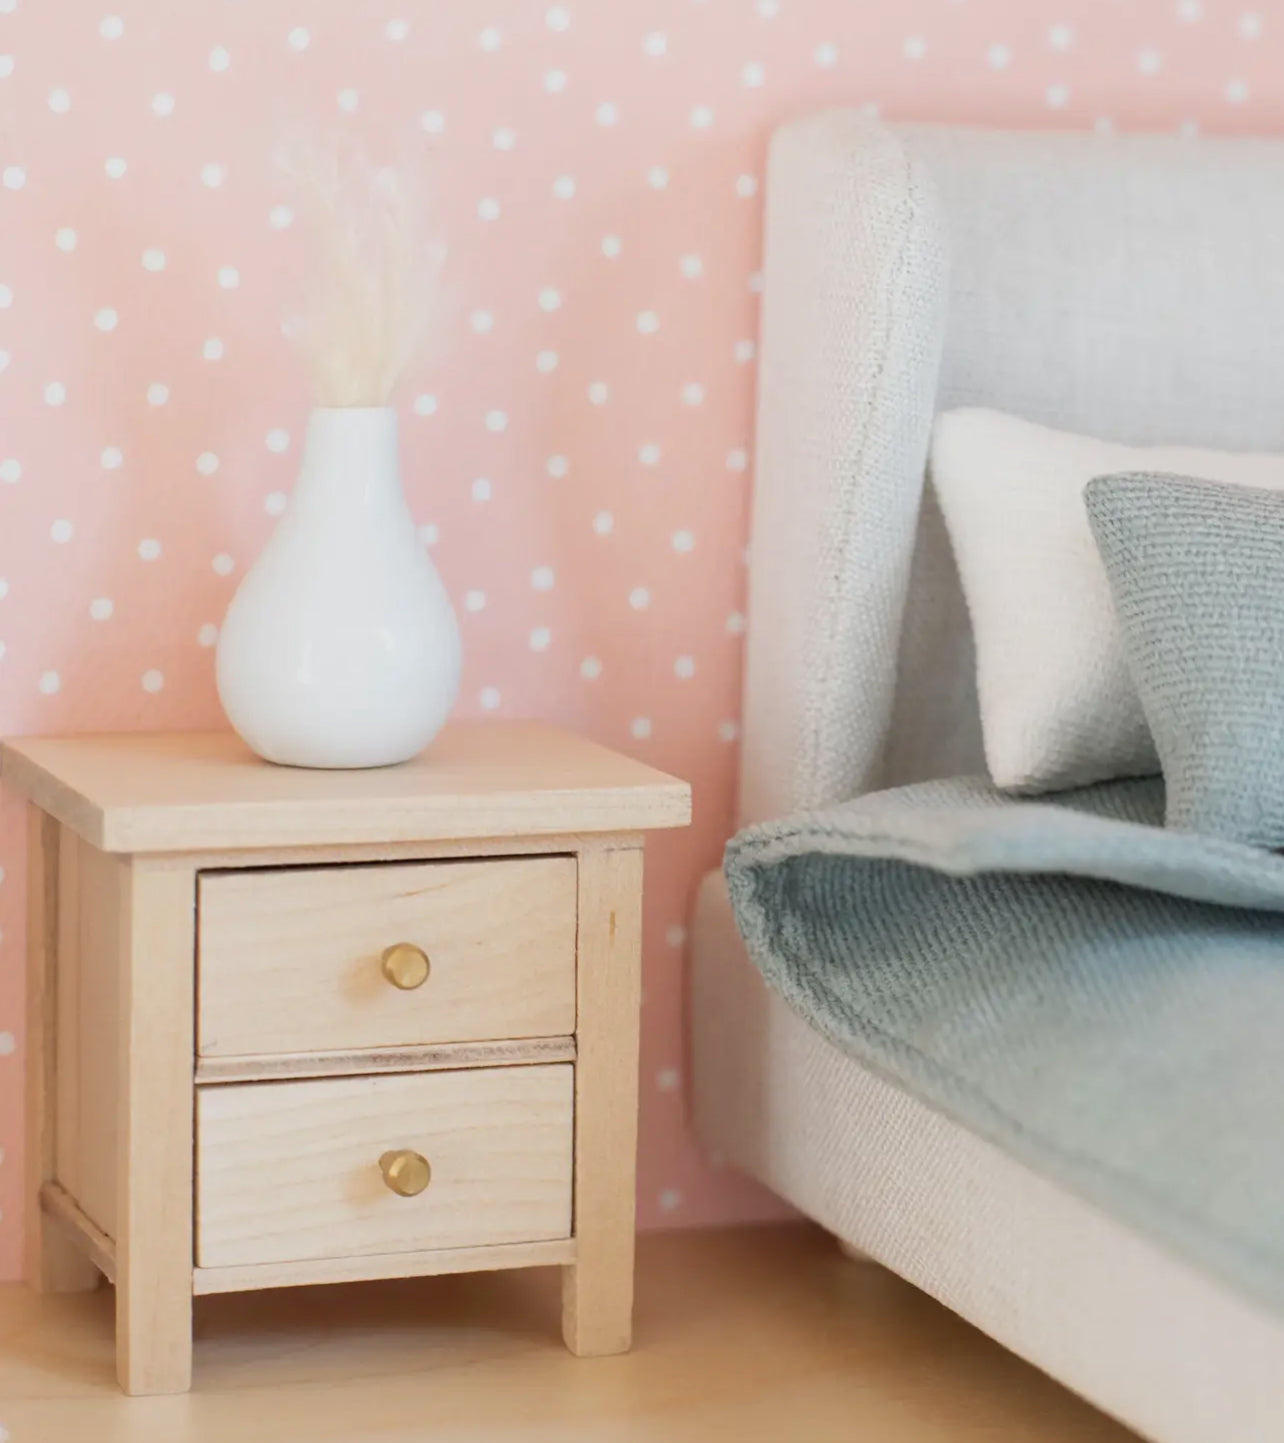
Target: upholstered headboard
[{"x": 1127, "y": 287}]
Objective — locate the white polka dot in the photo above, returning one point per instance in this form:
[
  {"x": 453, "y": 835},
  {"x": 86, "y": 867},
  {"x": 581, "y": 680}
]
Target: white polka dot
[
  {"x": 999, "y": 57},
  {"x": 693, "y": 394},
  {"x": 555, "y": 81},
  {"x": 612, "y": 245},
  {"x": 157, "y": 393},
  {"x": 550, "y": 299},
  {"x": 752, "y": 75},
  {"x": 702, "y": 117},
  {"x": 1057, "y": 96},
  {"x": 736, "y": 623},
  {"x": 768, "y": 9},
  {"x": 149, "y": 548},
  {"x": 299, "y": 38},
  {"x": 648, "y": 322},
  {"x": 489, "y": 698},
  {"x": 396, "y": 30},
  {"x": 564, "y": 187},
  {"x": 1150, "y": 62},
  {"x": 826, "y": 55},
  {"x": 14, "y": 177},
  {"x": 5, "y": 358},
  {"x": 433, "y": 121},
  {"x": 429, "y": 534},
  {"x": 667, "y": 1079},
  {"x": 557, "y": 466},
  {"x": 746, "y": 186},
  {"x": 1250, "y": 25},
  {"x": 1061, "y": 37},
  {"x": 115, "y": 167},
  {"x": 639, "y": 598},
  {"x": 6, "y": 66},
  {"x": 4, "y": 588},
  {"x": 59, "y": 101},
  {"x": 206, "y": 463},
  {"x": 491, "y": 38},
  {"x": 153, "y": 260},
  {"x": 914, "y": 47},
  {"x": 425, "y": 405},
  {"x": 229, "y": 277},
  {"x": 496, "y": 420},
  {"x": 111, "y": 458},
  {"x": 692, "y": 267},
  {"x": 684, "y": 668},
  {"x": 111, "y": 27},
  {"x": 481, "y": 489},
  {"x": 656, "y": 43},
  {"x": 488, "y": 208},
  {"x": 50, "y": 683},
  {"x": 220, "y": 60},
  {"x": 608, "y": 113},
  {"x": 481, "y": 322},
  {"x": 599, "y": 393},
  {"x": 546, "y": 361},
  {"x": 153, "y": 680},
  {"x": 10, "y": 470},
  {"x": 542, "y": 578},
  {"x": 61, "y": 531},
  {"x": 604, "y": 523},
  {"x": 6, "y": 297},
  {"x": 106, "y": 319},
  {"x": 540, "y": 638},
  {"x": 649, "y": 454},
  {"x": 55, "y": 393},
  {"x": 744, "y": 352},
  {"x": 213, "y": 174},
  {"x": 348, "y": 100},
  {"x": 275, "y": 502},
  {"x": 222, "y": 564},
  {"x": 683, "y": 541},
  {"x": 1188, "y": 11},
  {"x": 1236, "y": 91},
  {"x": 101, "y": 608},
  {"x": 728, "y": 731},
  {"x": 558, "y": 18},
  {"x": 503, "y": 138},
  {"x": 474, "y": 600},
  {"x": 590, "y": 668},
  {"x": 162, "y": 104},
  {"x": 280, "y": 217},
  {"x": 212, "y": 349},
  {"x": 207, "y": 635},
  {"x": 657, "y": 177},
  {"x": 640, "y": 728},
  {"x": 670, "y": 1199},
  {"x": 277, "y": 440}
]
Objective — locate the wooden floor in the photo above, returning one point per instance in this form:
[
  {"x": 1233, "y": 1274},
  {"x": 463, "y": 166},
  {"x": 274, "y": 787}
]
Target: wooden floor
[{"x": 748, "y": 1335}]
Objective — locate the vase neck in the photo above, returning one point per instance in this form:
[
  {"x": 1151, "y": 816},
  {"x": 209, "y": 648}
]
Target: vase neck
[{"x": 350, "y": 458}]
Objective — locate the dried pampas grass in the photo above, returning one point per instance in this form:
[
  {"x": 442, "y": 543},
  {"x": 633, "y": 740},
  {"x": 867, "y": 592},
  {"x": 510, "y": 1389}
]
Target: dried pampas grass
[{"x": 373, "y": 293}]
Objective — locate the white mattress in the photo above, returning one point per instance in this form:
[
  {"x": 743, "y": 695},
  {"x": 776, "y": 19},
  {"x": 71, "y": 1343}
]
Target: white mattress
[{"x": 1142, "y": 1335}]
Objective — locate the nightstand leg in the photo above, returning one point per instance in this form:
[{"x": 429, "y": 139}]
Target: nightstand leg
[
  {"x": 597, "y": 1291},
  {"x": 53, "y": 1263},
  {"x": 154, "y": 1207}
]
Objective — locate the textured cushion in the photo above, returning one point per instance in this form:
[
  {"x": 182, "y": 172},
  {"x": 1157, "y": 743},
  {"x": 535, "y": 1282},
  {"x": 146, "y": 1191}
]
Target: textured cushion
[
  {"x": 1197, "y": 573},
  {"x": 1058, "y": 707}
]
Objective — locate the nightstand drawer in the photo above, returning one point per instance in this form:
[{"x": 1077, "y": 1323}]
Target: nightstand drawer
[
  {"x": 346, "y": 958},
  {"x": 307, "y": 1170}
]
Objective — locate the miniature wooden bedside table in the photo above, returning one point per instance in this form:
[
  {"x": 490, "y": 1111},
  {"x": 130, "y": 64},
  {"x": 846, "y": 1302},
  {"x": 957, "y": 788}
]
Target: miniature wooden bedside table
[{"x": 302, "y": 1026}]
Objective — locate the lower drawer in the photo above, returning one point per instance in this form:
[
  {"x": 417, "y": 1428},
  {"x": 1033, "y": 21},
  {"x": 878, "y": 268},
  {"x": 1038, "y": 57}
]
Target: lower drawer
[{"x": 289, "y": 1171}]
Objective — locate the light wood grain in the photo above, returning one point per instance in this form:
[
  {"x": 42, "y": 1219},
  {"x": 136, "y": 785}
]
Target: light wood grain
[
  {"x": 51, "y": 1262},
  {"x": 290, "y": 959},
  {"x": 748, "y": 1335},
  {"x": 433, "y": 1262},
  {"x": 289, "y": 1171},
  {"x": 270, "y": 1067},
  {"x": 58, "y": 1204},
  {"x": 207, "y": 792},
  {"x": 598, "y": 1289},
  {"x": 67, "y": 1046},
  {"x": 154, "y": 1209}
]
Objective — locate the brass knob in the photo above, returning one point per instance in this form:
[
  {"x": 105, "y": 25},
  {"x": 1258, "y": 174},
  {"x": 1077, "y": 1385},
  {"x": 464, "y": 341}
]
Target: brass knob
[
  {"x": 406, "y": 1173},
  {"x": 405, "y": 965}
]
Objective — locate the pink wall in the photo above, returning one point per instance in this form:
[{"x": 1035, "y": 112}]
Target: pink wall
[{"x": 578, "y": 448}]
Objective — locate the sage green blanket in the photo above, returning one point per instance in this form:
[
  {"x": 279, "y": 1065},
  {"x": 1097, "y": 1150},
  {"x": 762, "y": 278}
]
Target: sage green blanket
[{"x": 1100, "y": 997}]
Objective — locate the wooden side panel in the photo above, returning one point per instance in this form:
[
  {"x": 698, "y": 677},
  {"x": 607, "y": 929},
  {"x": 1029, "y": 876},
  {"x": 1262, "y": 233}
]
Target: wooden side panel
[
  {"x": 101, "y": 885},
  {"x": 67, "y": 1082},
  {"x": 597, "y": 1312}
]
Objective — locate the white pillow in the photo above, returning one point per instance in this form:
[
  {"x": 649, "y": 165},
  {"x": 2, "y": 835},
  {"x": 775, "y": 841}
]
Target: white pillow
[{"x": 1057, "y": 706}]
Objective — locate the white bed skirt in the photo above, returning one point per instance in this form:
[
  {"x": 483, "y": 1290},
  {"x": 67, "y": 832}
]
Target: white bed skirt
[{"x": 1132, "y": 1328}]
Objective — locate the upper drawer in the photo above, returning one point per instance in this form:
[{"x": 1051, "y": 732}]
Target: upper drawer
[{"x": 293, "y": 961}]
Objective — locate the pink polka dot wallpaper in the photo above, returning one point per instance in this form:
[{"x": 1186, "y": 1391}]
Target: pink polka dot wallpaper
[{"x": 577, "y": 441}]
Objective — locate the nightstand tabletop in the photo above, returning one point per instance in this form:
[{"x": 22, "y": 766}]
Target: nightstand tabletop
[{"x": 143, "y": 793}]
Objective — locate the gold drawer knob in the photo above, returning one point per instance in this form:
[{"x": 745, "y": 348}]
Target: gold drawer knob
[
  {"x": 406, "y": 1173},
  {"x": 405, "y": 965}
]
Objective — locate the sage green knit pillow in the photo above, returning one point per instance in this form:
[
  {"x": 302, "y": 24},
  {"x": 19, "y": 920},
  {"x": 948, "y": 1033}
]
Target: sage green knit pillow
[{"x": 1196, "y": 570}]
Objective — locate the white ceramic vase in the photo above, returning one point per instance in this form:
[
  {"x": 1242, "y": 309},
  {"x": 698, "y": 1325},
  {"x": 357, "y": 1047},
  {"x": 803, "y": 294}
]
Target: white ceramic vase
[{"x": 340, "y": 647}]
